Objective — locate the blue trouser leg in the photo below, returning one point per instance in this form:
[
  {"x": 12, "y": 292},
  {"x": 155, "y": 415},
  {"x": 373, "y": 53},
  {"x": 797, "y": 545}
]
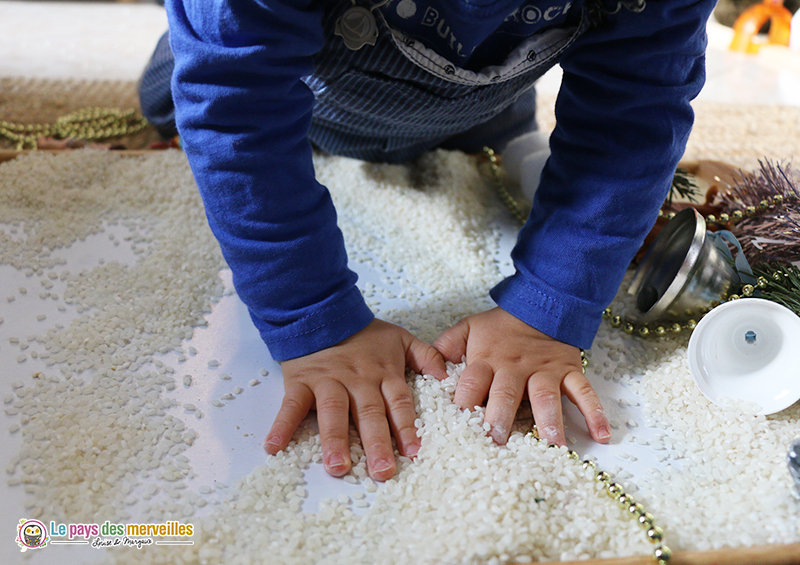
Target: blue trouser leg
[
  {"x": 516, "y": 120},
  {"x": 155, "y": 93}
]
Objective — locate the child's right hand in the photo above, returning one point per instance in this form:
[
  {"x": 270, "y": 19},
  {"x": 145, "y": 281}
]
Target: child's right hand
[
  {"x": 505, "y": 359},
  {"x": 363, "y": 375}
]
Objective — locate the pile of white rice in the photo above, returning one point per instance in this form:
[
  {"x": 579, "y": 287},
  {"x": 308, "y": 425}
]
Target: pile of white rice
[{"x": 100, "y": 441}]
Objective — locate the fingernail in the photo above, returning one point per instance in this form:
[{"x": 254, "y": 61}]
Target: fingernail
[
  {"x": 604, "y": 433},
  {"x": 335, "y": 462},
  {"x": 382, "y": 465},
  {"x": 412, "y": 450},
  {"x": 273, "y": 441},
  {"x": 499, "y": 434}
]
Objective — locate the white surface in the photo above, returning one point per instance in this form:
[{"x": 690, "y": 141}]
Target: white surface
[
  {"x": 230, "y": 441},
  {"x": 794, "y": 37},
  {"x": 524, "y": 159},
  {"x": 764, "y": 371},
  {"x": 771, "y": 76},
  {"x": 62, "y": 40},
  {"x": 229, "y": 445}
]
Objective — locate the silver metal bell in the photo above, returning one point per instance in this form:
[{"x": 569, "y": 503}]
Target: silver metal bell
[
  {"x": 794, "y": 463},
  {"x": 686, "y": 271}
]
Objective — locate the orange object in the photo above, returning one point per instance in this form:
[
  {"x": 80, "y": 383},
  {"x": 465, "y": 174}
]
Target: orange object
[{"x": 750, "y": 21}]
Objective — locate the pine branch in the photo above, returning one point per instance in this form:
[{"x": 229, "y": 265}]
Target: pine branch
[
  {"x": 683, "y": 187},
  {"x": 781, "y": 284}
]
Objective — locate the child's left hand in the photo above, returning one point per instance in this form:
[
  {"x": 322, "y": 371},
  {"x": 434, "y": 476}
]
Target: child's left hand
[{"x": 504, "y": 356}]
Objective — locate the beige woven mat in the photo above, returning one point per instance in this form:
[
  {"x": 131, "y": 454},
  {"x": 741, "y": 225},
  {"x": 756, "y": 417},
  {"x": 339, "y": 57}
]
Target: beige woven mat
[
  {"x": 735, "y": 134},
  {"x": 739, "y": 135}
]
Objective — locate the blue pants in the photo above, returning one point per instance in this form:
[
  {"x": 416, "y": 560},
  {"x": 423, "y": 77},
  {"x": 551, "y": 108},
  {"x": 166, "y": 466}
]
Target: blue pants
[{"x": 155, "y": 94}]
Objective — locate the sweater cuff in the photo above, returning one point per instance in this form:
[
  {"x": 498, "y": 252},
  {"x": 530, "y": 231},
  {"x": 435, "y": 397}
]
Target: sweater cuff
[
  {"x": 328, "y": 326},
  {"x": 564, "y": 318}
]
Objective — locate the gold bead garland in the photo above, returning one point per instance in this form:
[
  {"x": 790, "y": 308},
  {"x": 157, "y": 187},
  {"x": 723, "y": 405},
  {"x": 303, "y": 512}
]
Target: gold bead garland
[
  {"x": 90, "y": 124},
  {"x": 509, "y": 201},
  {"x": 666, "y": 328},
  {"x": 724, "y": 219},
  {"x": 661, "y": 553},
  {"x": 737, "y": 216}
]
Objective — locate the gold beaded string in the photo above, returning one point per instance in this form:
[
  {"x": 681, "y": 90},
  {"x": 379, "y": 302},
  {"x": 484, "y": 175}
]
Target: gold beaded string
[
  {"x": 725, "y": 219},
  {"x": 90, "y": 124},
  {"x": 661, "y": 553},
  {"x": 750, "y": 211},
  {"x": 509, "y": 201},
  {"x": 666, "y": 328}
]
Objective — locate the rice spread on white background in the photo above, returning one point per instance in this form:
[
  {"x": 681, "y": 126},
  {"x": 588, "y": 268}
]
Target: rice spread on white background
[{"x": 110, "y": 271}]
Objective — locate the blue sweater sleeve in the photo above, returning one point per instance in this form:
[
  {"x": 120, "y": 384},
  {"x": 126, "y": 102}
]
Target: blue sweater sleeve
[
  {"x": 244, "y": 113},
  {"x": 623, "y": 118}
]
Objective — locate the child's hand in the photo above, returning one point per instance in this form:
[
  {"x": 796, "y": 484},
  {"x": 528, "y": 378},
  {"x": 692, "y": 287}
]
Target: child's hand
[
  {"x": 363, "y": 375},
  {"x": 504, "y": 356}
]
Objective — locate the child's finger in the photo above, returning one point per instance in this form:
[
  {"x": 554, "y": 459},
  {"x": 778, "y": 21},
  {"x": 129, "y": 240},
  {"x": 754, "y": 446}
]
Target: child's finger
[
  {"x": 334, "y": 426},
  {"x": 580, "y": 392},
  {"x": 297, "y": 401},
  {"x": 452, "y": 343},
  {"x": 424, "y": 359},
  {"x": 473, "y": 386},
  {"x": 505, "y": 396},
  {"x": 400, "y": 408},
  {"x": 545, "y": 398},
  {"x": 369, "y": 413}
]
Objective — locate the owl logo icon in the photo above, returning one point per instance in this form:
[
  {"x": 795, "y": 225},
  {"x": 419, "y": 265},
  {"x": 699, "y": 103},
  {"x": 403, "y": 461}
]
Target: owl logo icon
[{"x": 31, "y": 534}]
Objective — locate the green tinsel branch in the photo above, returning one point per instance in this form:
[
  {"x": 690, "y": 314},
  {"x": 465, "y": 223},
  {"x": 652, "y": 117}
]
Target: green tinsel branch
[
  {"x": 682, "y": 186},
  {"x": 782, "y": 283}
]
